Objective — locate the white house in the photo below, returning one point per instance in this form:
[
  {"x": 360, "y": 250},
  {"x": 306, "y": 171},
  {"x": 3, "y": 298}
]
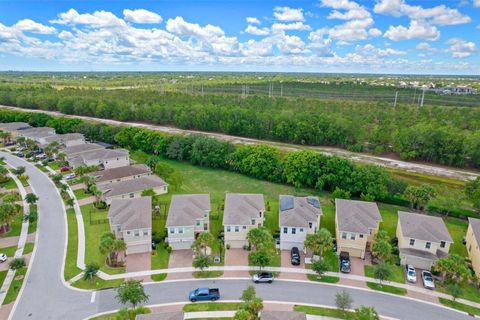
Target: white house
[
  {"x": 38, "y": 134},
  {"x": 103, "y": 158},
  {"x": 66, "y": 140},
  {"x": 132, "y": 188},
  {"x": 118, "y": 174}
]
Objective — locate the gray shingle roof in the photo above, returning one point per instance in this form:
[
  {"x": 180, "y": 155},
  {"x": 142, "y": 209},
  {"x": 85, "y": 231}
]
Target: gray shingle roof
[
  {"x": 120, "y": 172},
  {"x": 176, "y": 315},
  {"x": 36, "y": 133},
  {"x": 475, "y": 223},
  {"x": 13, "y": 126},
  {"x": 283, "y": 315},
  {"x": 423, "y": 227},
  {"x": 186, "y": 208},
  {"x": 356, "y": 216},
  {"x": 129, "y": 186},
  {"x": 74, "y": 150},
  {"x": 62, "y": 138},
  {"x": 241, "y": 208},
  {"x": 135, "y": 213},
  {"x": 104, "y": 154},
  {"x": 302, "y": 212}
]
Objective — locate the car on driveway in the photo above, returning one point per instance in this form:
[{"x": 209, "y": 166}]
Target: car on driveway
[
  {"x": 3, "y": 257},
  {"x": 428, "y": 282},
  {"x": 411, "y": 274},
  {"x": 263, "y": 277},
  {"x": 295, "y": 256},
  {"x": 65, "y": 169},
  {"x": 204, "y": 294},
  {"x": 70, "y": 176},
  {"x": 345, "y": 262}
]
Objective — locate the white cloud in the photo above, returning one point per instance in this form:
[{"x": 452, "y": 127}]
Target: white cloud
[
  {"x": 34, "y": 27},
  {"x": 290, "y": 26},
  {"x": 288, "y": 14},
  {"x": 97, "y": 19},
  {"x": 257, "y": 31},
  {"x": 352, "y": 10},
  {"x": 372, "y": 51},
  {"x": 141, "y": 16},
  {"x": 252, "y": 20},
  {"x": 460, "y": 48},
  {"x": 476, "y": 3},
  {"x": 424, "y": 46},
  {"x": 416, "y": 29}
]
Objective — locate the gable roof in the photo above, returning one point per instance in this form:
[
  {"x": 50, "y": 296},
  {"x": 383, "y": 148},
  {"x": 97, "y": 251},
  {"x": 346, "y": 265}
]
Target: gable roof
[
  {"x": 135, "y": 185},
  {"x": 298, "y": 211},
  {"x": 356, "y": 216},
  {"x": 36, "y": 133},
  {"x": 283, "y": 315},
  {"x": 186, "y": 208},
  {"x": 240, "y": 208},
  {"x": 87, "y": 147},
  {"x": 14, "y": 126},
  {"x": 62, "y": 138},
  {"x": 475, "y": 223},
  {"x": 423, "y": 227},
  {"x": 120, "y": 172},
  {"x": 174, "y": 315},
  {"x": 135, "y": 213},
  {"x": 103, "y": 154}
]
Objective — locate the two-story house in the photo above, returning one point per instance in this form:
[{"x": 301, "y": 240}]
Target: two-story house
[
  {"x": 38, "y": 134},
  {"x": 357, "y": 223},
  {"x": 298, "y": 216},
  {"x": 118, "y": 174},
  {"x": 131, "y": 220},
  {"x": 422, "y": 239},
  {"x": 242, "y": 212},
  {"x": 65, "y": 140},
  {"x": 188, "y": 216},
  {"x": 132, "y": 188},
  {"x": 102, "y": 158},
  {"x": 13, "y": 128},
  {"x": 473, "y": 243}
]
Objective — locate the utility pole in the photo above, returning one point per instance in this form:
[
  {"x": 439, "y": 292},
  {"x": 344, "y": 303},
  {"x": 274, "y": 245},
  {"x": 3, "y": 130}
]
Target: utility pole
[{"x": 396, "y": 96}]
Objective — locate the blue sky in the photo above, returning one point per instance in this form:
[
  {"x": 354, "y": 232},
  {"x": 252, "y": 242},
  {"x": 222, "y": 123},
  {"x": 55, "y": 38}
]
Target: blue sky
[{"x": 377, "y": 36}]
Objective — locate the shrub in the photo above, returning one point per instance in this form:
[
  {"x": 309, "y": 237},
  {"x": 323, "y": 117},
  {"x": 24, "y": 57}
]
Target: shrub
[
  {"x": 169, "y": 249},
  {"x": 17, "y": 263}
]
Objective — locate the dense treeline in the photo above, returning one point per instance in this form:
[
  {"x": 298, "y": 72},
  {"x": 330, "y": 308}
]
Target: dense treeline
[
  {"x": 445, "y": 135},
  {"x": 301, "y": 169}
]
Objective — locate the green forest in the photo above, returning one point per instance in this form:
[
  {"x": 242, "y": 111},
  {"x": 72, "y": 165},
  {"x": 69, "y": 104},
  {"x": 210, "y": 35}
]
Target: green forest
[{"x": 439, "y": 134}]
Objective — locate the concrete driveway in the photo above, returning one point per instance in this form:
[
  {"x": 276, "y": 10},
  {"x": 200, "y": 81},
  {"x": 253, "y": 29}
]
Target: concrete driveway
[
  {"x": 236, "y": 257},
  {"x": 286, "y": 263},
  {"x": 180, "y": 259},
  {"x": 139, "y": 262},
  {"x": 356, "y": 268}
]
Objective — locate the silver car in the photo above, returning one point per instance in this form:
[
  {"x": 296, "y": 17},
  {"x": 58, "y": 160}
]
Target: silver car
[
  {"x": 428, "y": 282},
  {"x": 265, "y": 277},
  {"x": 411, "y": 274}
]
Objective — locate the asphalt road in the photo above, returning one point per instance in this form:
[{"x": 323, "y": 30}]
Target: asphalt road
[{"x": 46, "y": 297}]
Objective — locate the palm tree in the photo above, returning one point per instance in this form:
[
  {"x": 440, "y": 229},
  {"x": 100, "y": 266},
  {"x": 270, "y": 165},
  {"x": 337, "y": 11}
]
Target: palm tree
[
  {"x": 204, "y": 239},
  {"x": 106, "y": 246},
  {"x": 319, "y": 241},
  {"x": 31, "y": 198},
  {"x": 8, "y": 212},
  {"x": 118, "y": 246}
]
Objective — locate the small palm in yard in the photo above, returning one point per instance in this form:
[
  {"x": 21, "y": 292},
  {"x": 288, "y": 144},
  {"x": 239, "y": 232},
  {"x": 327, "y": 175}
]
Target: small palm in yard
[
  {"x": 382, "y": 272},
  {"x": 131, "y": 291},
  {"x": 201, "y": 262},
  {"x": 203, "y": 240},
  {"x": 31, "y": 198},
  {"x": 319, "y": 242},
  {"x": 366, "y": 313},
  {"x": 91, "y": 271}
]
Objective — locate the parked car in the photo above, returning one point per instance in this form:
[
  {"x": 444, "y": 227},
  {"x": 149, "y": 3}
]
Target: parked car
[
  {"x": 70, "y": 176},
  {"x": 263, "y": 277},
  {"x": 411, "y": 274},
  {"x": 295, "y": 256},
  {"x": 345, "y": 262},
  {"x": 428, "y": 282},
  {"x": 41, "y": 156},
  {"x": 204, "y": 294},
  {"x": 65, "y": 169},
  {"x": 19, "y": 154},
  {"x": 3, "y": 257}
]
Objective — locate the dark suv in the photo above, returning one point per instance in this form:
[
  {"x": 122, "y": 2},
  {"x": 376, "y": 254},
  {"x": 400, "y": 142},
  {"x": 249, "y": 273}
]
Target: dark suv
[
  {"x": 295, "y": 256},
  {"x": 344, "y": 262}
]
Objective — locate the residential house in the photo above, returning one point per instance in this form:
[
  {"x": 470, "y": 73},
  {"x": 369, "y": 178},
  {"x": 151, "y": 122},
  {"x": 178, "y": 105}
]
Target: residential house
[
  {"x": 38, "y": 134},
  {"x": 103, "y": 158},
  {"x": 357, "y": 223},
  {"x": 132, "y": 188},
  {"x": 188, "y": 216},
  {"x": 242, "y": 212},
  {"x": 120, "y": 174},
  {"x": 14, "y": 127},
  {"x": 473, "y": 244},
  {"x": 131, "y": 220},
  {"x": 282, "y": 315},
  {"x": 66, "y": 140},
  {"x": 73, "y": 151},
  {"x": 422, "y": 239},
  {"x": 174, "y": 315},
  {"x": 298, "y": 216}
]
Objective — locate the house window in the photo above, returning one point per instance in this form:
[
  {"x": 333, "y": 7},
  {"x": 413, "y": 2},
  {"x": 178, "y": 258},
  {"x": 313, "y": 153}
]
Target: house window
[
  {"x": 285, "y": 230},
  {"x": 442, "y": 244},
  {"x": 260, "y": 214},
  {"x": 412, "y": 242},
  {"x": 131, "y": 195},
  {"x": 428, "y": 245},
  {"x": 180, "y": 230},
  {"x": 128, "y": 232},
  {"x": 352, "y": 236},
  {"x": 245, "y": 227},
  {"x": 205, "y": 227},
  {"x": 301, "y": 229},
  {"x": 118, "y": 228},
  {"x": 237, "y": 229},
  {"x": 253, "y": 222},
  {"x": 172, "y": 230},
  {"x": 229, "y": 229},
  {"x": 294, "y": 230},
  {"x": 310, "y": 225},
  {"x": 361, "y": 235},
  {"x": 344, "y": 235},
  {"x": 165, "y": 188},
  {"x": 198, "y": 222},
  {"x": 145, "y": 233}
]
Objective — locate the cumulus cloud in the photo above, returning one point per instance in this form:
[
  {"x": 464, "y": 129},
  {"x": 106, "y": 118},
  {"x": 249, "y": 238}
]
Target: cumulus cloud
[
  {"x": 34, "y": 27},
  {"x": 257, "y": 31},
  {"x": 288, "y": 14},
  {"x": 97, "y": 19},
  {"x": 476, "y": 3},
  {"x": 416, "y": 29},
  {"x": 290, "y": 26},
  {"x": 141, "y": 16},
  {"x": 252, "y": 20},
  {"x": 460, "y": 48}
]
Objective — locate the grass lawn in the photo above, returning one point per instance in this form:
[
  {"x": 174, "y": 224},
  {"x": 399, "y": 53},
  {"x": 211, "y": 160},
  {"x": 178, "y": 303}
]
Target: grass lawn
[
  {"x": 216, "y": 227},
  {"x": 3, "y": 275},
  {"x": 71, "y": 269},
  {"x": 98, "y": 284},
  {"x": 81, "y": 194},
  {"x": 207, "y": 274},
  {"x": 158, "y": 277},
  {"x": 55, "y": 165},
  {"x": 159, "y": 260},
  {"x": 42, "y": 168},
  {"x": 328, "y": 218},
  {"x": 325, "y": 279},
  {"x": 9, "y": 184},
  {"x": 397, "y": 273},
  {"x": 331, "y": 259},
  {"x": 275, "y": 260},
  {"x": 326, "y": 312},
  {"x": 460, "y": 306},
  {"x": 32, "y": 227},
  {"x": 386, "y": 288},
  {"x": 469, "y": 292},
  {"x": 115, "y": 316},
  {"x": 28, "y": 248},
  {"x": 457, "y": 229},
  {"x": 93, "y": 232},
  {"x": 15, "y": 286},
  {"x": 211, "y": 306},
  {"x": 9, "y": 251},
  {"x": 15, "y": 227}
]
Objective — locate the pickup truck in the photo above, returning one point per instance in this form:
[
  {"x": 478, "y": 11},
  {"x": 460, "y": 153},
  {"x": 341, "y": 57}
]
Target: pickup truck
[{"x": 203, "y": 294}]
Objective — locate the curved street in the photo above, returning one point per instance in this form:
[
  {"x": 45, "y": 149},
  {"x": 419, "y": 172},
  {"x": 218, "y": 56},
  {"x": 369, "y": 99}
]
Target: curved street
[{"x": 46, "y": 296}]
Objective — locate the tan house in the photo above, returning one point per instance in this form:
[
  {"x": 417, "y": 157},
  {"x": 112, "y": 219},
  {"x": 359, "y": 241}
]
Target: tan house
[
  {"x": 120, "y": 174},
  {"x": 242, "y": 212},
  {"x": 422, "y": 239},
  {"x": 131, "y": 220},
  {"x": 14, "y": 127},
  {"x": 132, "y": 188},
  {"x": 473, "y": 244},
  {"x": 298, "y": 216},
  {"x": 357, "y": 223},
  {"x": 188, "y": 216}
]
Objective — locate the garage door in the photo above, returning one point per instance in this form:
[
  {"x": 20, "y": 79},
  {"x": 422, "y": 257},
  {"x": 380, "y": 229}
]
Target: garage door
[
  {"x": 181, "y": 245},
  {"x": 288, "y": 245},
  {"x": 417, "y": 262},
  {"x": 138, "y": 248},
  {"x": 354, "y": 252},
  {"x": 236, "y": 244}
]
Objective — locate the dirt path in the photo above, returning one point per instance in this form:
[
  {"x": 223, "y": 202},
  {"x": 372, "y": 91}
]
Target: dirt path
[{"x": 429, "y": 169}]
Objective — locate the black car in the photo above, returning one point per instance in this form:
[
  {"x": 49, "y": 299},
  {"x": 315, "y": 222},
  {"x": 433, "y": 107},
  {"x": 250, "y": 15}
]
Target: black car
[
  {"x": 295, "y": 256},
  {"x": 344, "y": 262}
]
